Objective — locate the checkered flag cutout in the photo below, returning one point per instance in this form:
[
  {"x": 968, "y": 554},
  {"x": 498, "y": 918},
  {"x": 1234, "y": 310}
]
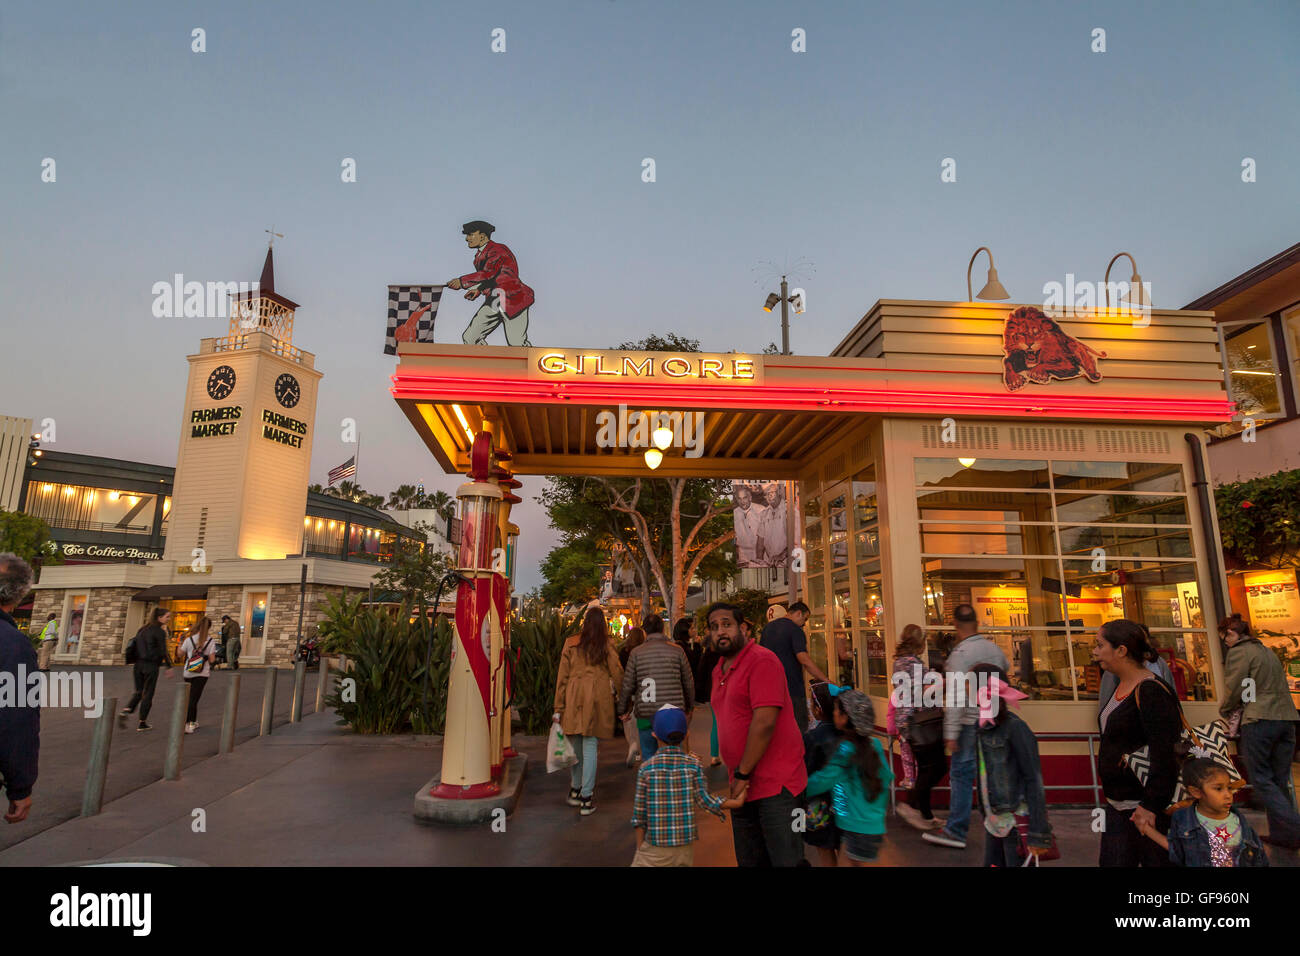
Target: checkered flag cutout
[{"x": 404, "y": 301}]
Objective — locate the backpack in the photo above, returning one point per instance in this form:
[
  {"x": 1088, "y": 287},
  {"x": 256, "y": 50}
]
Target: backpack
[
  {"x": 194, "y": 663},
  {"x": 133, "y": 648}
]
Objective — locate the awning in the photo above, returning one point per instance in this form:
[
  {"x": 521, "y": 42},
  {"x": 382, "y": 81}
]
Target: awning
[{"x": 178, "y": 592}]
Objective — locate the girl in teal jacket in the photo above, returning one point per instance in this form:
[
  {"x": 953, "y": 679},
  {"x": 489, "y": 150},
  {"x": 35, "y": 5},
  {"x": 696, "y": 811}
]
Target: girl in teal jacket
[{"x": 857, "y": 777}]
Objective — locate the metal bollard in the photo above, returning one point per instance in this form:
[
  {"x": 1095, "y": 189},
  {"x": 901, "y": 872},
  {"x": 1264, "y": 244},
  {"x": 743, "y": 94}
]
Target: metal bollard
[
  {"x": 268, "y": 702},
  {"x": 176, "y": 734},
  {"x": 299, "y": 686},
  {"x": 322, "y": 684},
  {"x": 227, "y": 742},
  {"x": 92, "y": 796}
]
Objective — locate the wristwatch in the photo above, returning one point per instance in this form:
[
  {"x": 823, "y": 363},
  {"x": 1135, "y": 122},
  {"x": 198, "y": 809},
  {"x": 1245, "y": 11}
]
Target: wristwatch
[{"x": 742, "y": 776}]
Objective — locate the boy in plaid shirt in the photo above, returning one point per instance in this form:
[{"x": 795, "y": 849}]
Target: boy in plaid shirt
[{"x": 668, "y": 786}]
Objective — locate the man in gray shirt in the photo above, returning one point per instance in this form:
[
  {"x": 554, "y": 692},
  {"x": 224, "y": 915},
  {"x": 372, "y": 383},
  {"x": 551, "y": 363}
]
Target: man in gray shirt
[{"x": 959, "y": 722}]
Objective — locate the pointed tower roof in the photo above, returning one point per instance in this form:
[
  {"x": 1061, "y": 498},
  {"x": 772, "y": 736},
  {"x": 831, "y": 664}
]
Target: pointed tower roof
[{"x": 266, "y": 285}]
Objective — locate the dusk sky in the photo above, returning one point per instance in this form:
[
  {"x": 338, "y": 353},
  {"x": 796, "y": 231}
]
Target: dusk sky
[{"x": 170, "y": 161}]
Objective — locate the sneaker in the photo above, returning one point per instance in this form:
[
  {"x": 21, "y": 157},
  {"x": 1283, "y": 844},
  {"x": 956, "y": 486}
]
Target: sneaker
[
  {"x": 942, "y": 838},
  {"x": 144, "y": 725},
  {"x": 912, "y": 816},
  {"x": 935, "y": 823},
  {"x": 588, "y": 806},
  {"x": 574, "y": 799},
  {"x": 190, "y": 728},
  {"x": 125, "y": 713}
]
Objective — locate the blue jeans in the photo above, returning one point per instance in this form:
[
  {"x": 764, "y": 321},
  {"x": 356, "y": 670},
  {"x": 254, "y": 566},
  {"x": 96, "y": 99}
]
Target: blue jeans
[
  {"x": 1267, "y": 746},
  {"x": 961, "y": 775},
  {"x": 648, "y": 744},
  {"x": 582, "y": 775}
]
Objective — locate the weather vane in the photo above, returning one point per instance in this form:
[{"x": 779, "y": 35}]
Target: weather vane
[{"x": 274, "y": 235}]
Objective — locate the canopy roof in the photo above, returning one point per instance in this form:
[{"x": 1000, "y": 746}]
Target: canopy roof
[{"x": 766, "y": 416}]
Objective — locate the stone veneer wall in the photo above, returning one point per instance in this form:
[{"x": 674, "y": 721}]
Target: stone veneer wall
[
  {"x": 282, "y": 618},
  {"x": 103, "y": 631}
]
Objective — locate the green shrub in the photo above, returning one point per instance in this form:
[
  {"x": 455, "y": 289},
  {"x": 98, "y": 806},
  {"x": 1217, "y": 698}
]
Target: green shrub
[
  {"x": 535, "y": 647},
  {"x": 386, "y": 655},
  {"x": 752, "y": 602}
]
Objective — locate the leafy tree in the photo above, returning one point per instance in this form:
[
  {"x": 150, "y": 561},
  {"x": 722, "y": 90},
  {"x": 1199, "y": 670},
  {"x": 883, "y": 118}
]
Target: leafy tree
[
  {"x": 29, "y": 538},
  {"x": 440, "y": 502},
  {"x": 1259, "y": 520},
  {"x": 403, "y": 498},
  {"x": 415, "y": 569},
  {"x": 349, "y": 491}
]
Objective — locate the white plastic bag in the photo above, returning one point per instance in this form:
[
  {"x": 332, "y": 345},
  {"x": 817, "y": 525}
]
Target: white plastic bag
[{"x": 559, "y": 752}]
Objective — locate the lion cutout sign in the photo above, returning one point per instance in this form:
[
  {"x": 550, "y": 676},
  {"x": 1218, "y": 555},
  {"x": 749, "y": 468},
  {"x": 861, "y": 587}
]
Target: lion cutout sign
[{"x": 1037, "y": 350}]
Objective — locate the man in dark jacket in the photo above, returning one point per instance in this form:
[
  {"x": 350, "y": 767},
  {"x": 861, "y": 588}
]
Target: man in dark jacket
[
  {"x": 151, "y": 651},
  {"x": 230, "y": 640},
  {"x": 20, "y": 724}
]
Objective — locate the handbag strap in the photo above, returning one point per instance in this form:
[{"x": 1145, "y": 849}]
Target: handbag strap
[{"x": 1137, "y": 699}]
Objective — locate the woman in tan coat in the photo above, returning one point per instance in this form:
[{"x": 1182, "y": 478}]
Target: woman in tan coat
[{"x": 584, "y": 701}]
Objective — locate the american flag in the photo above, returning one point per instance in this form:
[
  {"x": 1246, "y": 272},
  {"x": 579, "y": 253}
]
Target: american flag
[{"x": 346, "y": 470}]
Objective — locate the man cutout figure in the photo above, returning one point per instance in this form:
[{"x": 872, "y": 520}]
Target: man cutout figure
[{"x": 496, "y": 276}]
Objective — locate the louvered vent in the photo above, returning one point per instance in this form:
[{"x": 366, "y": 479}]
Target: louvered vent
[
  {"x": 203, "y": 527},
  {"x": 1048, "y": 439},
  {"x": 1122, "y": 441},
  {"x": 983, "y": 437},
  {"x": 834, "y": 469},
  {"x": 862, "y": 452}
]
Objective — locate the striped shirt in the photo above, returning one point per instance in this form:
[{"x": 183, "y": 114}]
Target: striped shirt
[{"x": 668, "y": 786}]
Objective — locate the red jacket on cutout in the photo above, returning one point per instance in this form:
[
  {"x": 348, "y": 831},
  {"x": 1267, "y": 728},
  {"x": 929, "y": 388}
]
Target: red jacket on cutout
[{"x": 495, "y": 268}]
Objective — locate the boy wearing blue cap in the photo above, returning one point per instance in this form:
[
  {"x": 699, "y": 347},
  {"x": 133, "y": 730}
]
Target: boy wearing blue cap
[{"x": 668, "y": 787}]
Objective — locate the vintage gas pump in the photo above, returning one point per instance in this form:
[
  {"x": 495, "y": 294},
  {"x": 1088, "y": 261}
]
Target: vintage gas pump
[{"x": 471, "y": 749}]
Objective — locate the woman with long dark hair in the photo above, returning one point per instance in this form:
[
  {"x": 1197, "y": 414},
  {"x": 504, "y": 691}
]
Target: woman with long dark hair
[
  {"x": 1142, "y": 713},
  {"x": 684, "y": 637},
  {"x": 148, "y": 652},
  {"x": 920, "y": 731},
  {"x": 584, "y": 701},
  {"x": 197, "y": 654}
]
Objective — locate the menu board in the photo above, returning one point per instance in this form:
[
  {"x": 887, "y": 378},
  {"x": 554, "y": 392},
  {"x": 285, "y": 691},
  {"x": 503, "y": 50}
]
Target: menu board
[
  {"x": 1001, "y": 607},
  {"x": 1273, "y": 602}
]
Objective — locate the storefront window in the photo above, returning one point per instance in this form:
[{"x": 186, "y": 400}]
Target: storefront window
[
  {"x": 1045, "y": 568},
  {"x": 90, "y": 509},
  {"x": 254, "y": 637},
  {"x": 74, "y": 618},
  {"x": 1251, "y": 369},
  {"x": 322, "y": 536}
]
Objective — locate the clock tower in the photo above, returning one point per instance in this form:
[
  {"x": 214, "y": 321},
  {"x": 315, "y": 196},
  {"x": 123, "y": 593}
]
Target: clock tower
[{"x": 244, "y": 461}]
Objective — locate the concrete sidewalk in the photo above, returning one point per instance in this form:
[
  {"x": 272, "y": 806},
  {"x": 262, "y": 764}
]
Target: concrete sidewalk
[
  {"x": 315, "y": 794},
  {"x": 136, "y": 759}
]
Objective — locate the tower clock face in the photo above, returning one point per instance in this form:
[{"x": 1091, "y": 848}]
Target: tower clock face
[
  {"x": 221, "y": 382},
  {"x": 287, "y": 391}
]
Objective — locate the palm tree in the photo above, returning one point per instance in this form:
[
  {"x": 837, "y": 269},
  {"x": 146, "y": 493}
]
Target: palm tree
[
  {"x": 442, "y": 503},
  {"x": 403, "y": 498}
]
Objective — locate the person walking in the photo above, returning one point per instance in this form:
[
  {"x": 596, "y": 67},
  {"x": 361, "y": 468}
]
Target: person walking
[
  {"x": 1011, "y": 777},
  {"x": 197, "y": 654},
  {"x": 20, "y": 722},
  {"x": 669, "y": 786},
  {"x": 970, "y": 649},
  {"x": 820, "y": 741},
  {"x": 584, "y": 702},
  {"x": 151, "y": 654},
  {"x": 920, "y": 730},
  {"x": 684, "y": 637},
  {"x": 857, "y": 776},
  {"x": 657, "y": 674},
  {"x": 784, "y": 637},
  {"x": 230, "y": 640},
  {"x": 1267, "y": 727},
  {"x": 49, "y": 640},
  {"x": 1209, "y": 832},
  {"x": 635, "y": 638},
  {"x": 709, "y": 658},
  {"x": 759, "y": 741},
  {"x": 1142, "y": 713}
]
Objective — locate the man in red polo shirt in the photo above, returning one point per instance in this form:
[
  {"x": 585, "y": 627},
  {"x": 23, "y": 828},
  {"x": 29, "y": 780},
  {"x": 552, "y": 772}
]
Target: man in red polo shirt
[{"x": 759, "y": 741}]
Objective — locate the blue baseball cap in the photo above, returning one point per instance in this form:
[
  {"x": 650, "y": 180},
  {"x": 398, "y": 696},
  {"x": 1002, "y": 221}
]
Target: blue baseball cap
[{"x": 669, "y": 720}]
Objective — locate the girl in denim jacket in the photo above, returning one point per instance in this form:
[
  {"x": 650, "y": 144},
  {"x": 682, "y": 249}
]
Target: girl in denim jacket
[
  {"x": 1010, "y": 776},
  {"x": 1209, "y": 832}
]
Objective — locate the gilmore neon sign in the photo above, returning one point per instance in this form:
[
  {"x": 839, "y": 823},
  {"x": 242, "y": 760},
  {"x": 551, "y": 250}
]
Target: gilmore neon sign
[{"x": 728, "y": 368}]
